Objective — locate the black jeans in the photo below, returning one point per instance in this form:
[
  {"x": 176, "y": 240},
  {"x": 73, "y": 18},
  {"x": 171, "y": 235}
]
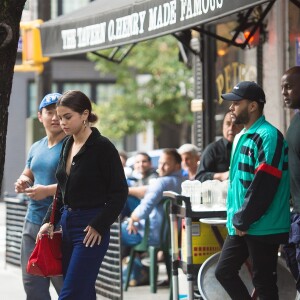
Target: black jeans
[
  {"x": 263, "y": 258},
  {"x": 292, "y": 249}
]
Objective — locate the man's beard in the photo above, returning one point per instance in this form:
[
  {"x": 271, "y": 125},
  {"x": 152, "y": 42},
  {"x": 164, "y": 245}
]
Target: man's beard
[{"x": 243, "y": 117}]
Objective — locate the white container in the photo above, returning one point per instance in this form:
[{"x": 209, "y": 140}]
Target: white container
[{"x": 182, "y": 285}]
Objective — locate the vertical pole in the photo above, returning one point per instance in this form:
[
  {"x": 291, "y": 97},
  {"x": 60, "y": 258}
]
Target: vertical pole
[
  {"x": 197, "y": 136},
  {"x": 259, "y": 59}
]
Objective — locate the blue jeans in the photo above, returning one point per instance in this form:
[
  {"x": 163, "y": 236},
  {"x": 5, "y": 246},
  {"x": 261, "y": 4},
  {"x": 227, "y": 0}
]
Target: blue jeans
[
  {"x": 36, "y": 287},
  {"x": 80, "y": 263},
  {"x": 263, "y": 257}
]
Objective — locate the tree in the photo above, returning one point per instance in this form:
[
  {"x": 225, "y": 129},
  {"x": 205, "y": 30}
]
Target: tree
[
  {"x": 153, "y": 86},
  {"x": 10, "y": 16}
]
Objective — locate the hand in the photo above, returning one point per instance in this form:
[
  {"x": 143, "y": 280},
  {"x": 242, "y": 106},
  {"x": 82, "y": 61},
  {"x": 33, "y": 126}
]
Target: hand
[
  {"x": 224, "y": 176},
  {"x": 221, "y": 176},
  {"x": 21, "y": 185},
  {"x": 37, "y": 192},
  {"x": 91, "y": 237},
  {"x": 45, "y": 228},
  {"x": 240, "y": 233},
  {"x": 130, "y": 227}
]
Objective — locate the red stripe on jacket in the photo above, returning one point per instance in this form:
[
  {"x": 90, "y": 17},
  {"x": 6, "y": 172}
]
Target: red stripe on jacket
[{"x": 269, "y": 169}]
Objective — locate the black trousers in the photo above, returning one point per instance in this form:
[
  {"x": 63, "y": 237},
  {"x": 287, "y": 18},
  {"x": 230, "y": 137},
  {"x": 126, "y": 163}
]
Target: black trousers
[
  {"x": 292, "y": 249},
  {"x": 263, "y": 258}
]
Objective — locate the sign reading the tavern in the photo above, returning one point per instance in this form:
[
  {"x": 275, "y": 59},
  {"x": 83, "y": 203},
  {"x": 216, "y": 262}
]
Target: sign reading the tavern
[{"x": 96, "y": 28}]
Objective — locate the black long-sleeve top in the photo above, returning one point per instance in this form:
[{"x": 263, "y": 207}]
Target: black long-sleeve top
[
  {"x": 214, "y": 159},
  {"x": 96, "y": 179}
]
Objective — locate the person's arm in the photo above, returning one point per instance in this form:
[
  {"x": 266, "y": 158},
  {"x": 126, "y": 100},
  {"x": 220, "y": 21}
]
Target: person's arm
[
  {"x": 221, "y": 176},
  {"x": 117, "y": 193},
  {"x": 152, "y": 197},
  {"x": 138, "y": 191},
  {"x": 40, "y": 192},
  {"x": 24, "y": 181},
  {"x": 207, "y": 164},
  {"x": 24, "y": 184}
]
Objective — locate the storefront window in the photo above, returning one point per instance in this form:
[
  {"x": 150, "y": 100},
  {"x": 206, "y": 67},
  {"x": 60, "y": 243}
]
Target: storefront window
[
  {"x": 60, "y": 7},
  {"x": 105, "y": 92},
  {"x": 33, "y": 102},
  {"x": 97, "y": 92},
  {"x": 69, "y": 6},
  {"x": 233, "y": 64}
]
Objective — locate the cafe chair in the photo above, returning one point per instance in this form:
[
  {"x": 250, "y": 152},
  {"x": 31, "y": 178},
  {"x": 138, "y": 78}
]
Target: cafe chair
[{"x": 152, "y": 250}]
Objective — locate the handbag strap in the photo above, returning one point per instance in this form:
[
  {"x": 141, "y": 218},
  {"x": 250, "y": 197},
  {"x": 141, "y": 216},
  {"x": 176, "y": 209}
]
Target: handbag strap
[{"x": 54, "y": 203}]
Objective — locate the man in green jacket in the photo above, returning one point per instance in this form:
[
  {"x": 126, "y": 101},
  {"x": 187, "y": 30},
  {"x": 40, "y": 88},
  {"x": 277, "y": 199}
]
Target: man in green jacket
[{"x": 258, "y": 197}]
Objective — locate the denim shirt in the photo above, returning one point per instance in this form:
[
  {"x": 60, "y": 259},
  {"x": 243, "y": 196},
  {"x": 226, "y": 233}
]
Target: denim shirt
[{"x": 150, "y": 206}]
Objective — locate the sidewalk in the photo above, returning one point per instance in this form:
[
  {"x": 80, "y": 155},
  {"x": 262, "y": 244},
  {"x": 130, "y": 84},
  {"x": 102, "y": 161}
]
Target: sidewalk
[{"x": 11, "y": 278}]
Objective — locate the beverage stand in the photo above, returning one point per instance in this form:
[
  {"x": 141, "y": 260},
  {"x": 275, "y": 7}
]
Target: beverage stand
[{"x": 181, "y": 212}]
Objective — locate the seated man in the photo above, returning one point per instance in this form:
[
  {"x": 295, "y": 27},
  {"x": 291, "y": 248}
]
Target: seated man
[
  {"x": 170, "y": 178},
  {"x": 143, "y": 170},
  {"x": 137, "y": 189},
  {"x": 190, "y": 159},
  {"x": 215, "y": 159}
]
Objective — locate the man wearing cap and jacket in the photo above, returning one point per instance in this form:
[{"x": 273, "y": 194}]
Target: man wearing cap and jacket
[
  {"x": 258, "y": 197},
  {"x": 38, "y": 182}
]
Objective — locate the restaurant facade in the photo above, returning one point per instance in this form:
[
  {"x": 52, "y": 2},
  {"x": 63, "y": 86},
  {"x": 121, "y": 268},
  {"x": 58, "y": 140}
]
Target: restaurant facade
[{"x": 230, "y": 40}]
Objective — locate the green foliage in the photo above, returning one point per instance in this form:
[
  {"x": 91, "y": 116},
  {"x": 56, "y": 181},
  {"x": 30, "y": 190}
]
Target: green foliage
[{"x": 154, "y": 86}]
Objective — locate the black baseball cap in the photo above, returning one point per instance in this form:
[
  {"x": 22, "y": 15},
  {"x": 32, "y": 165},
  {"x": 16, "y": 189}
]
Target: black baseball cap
[{"x": 249, "y": 90}]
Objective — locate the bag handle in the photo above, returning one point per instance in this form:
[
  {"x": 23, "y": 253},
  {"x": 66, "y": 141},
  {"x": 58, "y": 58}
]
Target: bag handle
[{"x": 54, "y": 203}]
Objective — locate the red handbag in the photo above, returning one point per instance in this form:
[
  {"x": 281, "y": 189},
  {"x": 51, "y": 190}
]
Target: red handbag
[{"x": 45, "y": 259}]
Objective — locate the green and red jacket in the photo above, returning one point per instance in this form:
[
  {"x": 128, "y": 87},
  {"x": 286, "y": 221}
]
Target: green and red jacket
[{"x": 258, "y": 193}]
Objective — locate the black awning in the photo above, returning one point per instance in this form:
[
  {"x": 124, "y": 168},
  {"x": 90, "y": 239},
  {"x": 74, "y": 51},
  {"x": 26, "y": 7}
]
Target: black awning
[{"x": 108, "y": 23}]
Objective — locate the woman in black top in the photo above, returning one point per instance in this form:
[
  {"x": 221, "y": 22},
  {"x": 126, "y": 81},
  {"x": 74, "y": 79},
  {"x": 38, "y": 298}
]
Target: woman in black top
[{"x": 93, "y": 191}]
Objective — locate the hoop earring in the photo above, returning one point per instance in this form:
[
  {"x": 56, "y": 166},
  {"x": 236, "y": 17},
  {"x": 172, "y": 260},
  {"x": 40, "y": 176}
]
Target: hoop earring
[{"x": 84, "y": 123}]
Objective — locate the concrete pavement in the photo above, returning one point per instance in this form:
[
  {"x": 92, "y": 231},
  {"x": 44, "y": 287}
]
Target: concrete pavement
[{"x": 11, "y": 287}]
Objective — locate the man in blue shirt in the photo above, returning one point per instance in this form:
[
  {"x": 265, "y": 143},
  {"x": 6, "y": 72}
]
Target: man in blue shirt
[
  {"x": 170, "y": 178},
  {"x": 38, "y": 182}
]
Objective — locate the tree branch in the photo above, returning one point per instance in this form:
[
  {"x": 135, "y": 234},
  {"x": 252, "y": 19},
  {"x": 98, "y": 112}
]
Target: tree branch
[{"x": 9, "y": 35}]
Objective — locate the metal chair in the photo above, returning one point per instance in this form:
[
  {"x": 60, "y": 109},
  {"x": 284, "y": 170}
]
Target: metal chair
[{"x": 152, "y": 250}]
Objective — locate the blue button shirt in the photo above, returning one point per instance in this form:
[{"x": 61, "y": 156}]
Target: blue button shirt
[{"x": 149, "y": 205}]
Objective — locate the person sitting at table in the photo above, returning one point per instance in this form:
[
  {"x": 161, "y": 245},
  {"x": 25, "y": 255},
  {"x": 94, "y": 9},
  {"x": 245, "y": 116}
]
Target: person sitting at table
[
  {"x": 215, "y": 159},
  {"x": 138, "y": 187},
  {"x": 190, "y": 158},
  {"x": 170, "y": 178}
]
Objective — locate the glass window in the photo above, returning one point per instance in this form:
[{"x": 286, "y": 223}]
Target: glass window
[
  {"x": 233, "y": 64},
  {"x": 83, "y": 87},
  {"x": 69, "y": 6},
  {"x": 61, "y": 7},
  {"x": 33, "y": 102},
  {"x": 105, "y": 92},
  {"x": 98, "y": 92},
  {"x": 54, "y": 9}
]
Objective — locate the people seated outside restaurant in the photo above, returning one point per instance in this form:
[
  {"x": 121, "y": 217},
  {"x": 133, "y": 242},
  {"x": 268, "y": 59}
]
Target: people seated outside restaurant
[
  {"x": 215, "y": 159},
  {"x": 138, "y": 186},
  {"x": 190, "y": 156},
  {"x": 170, "y": 178},
  {"x": 143, "y": 169}
]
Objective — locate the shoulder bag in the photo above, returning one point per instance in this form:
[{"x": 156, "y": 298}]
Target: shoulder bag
[{"x": 45, "y": 259}]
